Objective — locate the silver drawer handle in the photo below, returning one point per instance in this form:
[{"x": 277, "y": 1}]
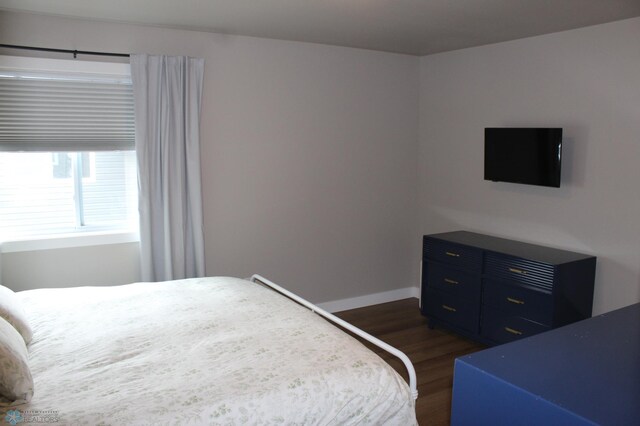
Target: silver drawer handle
[
  {"x": 513, "y": 331},
  {"x": 516, "y": 301},
  {"x": 518, "y": 271},
  {"x": 452, "y": 254},
  {"x": 450, "y": 281},
  {"x": 449, "y": 308}
]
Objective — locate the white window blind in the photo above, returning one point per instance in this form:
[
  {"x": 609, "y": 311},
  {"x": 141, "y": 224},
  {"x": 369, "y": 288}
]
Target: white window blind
[
  {"x": 67, "y": 159},
  {"x": 49, "y": 112}
]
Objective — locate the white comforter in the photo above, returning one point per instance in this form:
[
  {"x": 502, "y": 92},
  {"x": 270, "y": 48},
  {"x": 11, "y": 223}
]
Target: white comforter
[{"x": 201, "y": 351}]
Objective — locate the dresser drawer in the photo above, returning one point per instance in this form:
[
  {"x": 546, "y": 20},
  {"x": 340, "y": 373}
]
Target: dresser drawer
[
  {"x": 468, "y": 258},
  {"x": 457, "y": 311},
  {"x": 501, "y": 327},
  {"x": 454, "y": 281},
  {"x": 535, "y": 274},
  {"x": 519, "y": 301}
]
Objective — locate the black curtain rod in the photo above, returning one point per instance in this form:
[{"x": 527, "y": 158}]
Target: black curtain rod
[{"x": 74, "y": 52}]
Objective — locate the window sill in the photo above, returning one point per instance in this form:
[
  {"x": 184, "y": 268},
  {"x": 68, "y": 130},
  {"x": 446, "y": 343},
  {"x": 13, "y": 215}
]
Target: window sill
[{"x": 69, "y": 241}]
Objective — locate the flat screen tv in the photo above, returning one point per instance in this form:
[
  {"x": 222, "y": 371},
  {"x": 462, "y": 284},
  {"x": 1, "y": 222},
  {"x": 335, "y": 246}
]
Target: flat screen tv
[{"x": 530, "y": 156}]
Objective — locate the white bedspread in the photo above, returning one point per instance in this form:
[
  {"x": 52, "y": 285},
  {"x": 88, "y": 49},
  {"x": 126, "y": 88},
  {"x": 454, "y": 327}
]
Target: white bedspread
[{"x": 201, "y": 351}]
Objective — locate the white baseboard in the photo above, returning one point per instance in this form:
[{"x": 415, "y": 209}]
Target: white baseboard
[{"x": 370, "y": 299}]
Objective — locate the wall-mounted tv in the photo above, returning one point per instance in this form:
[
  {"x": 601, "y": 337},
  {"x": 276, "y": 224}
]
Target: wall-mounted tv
[{"x": 530, "y": 156}]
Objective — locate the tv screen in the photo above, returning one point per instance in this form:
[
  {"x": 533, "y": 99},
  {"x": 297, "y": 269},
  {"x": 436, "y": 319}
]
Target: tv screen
[{"x": 530, "y": 156}]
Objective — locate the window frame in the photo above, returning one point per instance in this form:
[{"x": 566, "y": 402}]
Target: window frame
[{"x": 80, "y": 237}]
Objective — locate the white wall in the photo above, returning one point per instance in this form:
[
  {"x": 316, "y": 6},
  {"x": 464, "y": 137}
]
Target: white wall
[
  {"x": 312, "y": 173},
  {"x": 69, "y": 267},
  {"x": 586, "y": 81},
  {"x": 309, "y": 157}
]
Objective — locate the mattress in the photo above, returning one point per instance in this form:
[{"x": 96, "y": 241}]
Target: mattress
[{"x": 219, "y": 351}]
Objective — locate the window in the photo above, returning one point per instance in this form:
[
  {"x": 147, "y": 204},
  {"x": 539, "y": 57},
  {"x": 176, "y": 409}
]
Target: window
[
  {"x": 64, "y": 163},
  {"x": 67, "y": 159},
  {"x": 48, "y": 193}
]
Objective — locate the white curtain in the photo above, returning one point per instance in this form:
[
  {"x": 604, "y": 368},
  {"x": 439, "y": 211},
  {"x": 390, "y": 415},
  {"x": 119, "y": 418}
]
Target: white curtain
[{"x": 167, "y": 96}]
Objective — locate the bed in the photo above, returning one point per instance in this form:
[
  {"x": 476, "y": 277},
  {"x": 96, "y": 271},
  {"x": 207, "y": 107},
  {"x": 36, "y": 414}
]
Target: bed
[{"x": 218, "y": 350}]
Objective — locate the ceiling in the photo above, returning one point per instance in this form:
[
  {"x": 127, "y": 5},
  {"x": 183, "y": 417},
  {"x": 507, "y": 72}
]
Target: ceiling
[{"x": 417, "y": 27}]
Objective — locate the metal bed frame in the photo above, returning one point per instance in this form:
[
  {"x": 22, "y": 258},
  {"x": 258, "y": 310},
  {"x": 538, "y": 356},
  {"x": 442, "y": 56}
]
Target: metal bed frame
[{"x": 353, "y": 329}]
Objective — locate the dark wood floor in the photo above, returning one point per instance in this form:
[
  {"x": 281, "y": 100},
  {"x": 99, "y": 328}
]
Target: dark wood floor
[{"x": 432, "y": 352}]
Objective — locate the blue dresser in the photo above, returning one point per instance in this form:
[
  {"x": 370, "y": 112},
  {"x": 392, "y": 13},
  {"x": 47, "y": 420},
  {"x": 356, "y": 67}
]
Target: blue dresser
[
  {"x": 585, "y": 373},
  {"x": 496, "y": 290}
]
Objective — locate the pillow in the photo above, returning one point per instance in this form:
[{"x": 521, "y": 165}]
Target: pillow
[
  {"x": 16, "y": 382},
  {"x": 12, "y": 311}
]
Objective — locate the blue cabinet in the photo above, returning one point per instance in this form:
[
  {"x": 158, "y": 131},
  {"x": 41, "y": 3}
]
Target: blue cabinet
[
  {"x": 497, "y": 290},
  {"x": 586, "y": 373}
]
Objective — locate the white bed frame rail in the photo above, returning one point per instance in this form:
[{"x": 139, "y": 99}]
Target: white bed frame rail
[{"x": 355, "y": 330}]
